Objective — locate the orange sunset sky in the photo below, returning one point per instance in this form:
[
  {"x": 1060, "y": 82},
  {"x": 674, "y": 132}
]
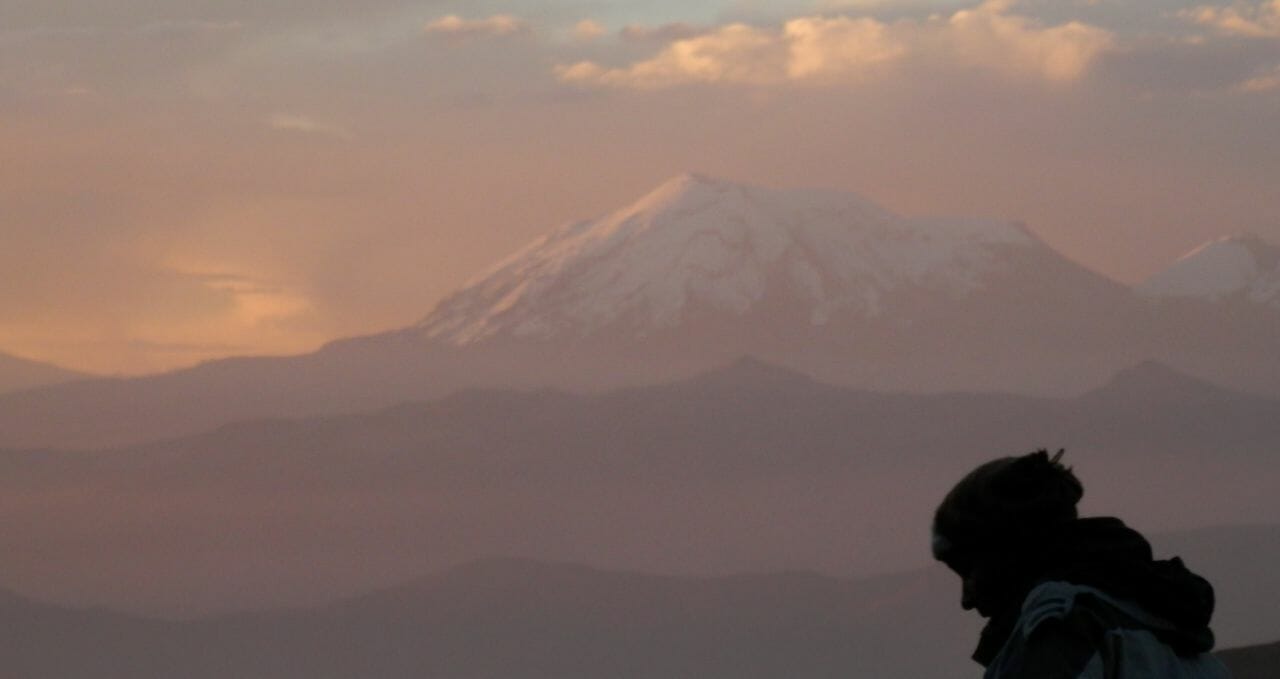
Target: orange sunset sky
[{"x": 188, "y": 179}]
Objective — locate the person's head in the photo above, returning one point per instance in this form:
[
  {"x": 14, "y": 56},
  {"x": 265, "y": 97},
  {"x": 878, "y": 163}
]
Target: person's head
[{"x": 992, "y": 526}]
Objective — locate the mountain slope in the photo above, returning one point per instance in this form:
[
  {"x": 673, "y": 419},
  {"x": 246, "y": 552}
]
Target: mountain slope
[
  {"x": 19, "y": 373},
  {"x": 1244, "y": 267},
  {"x": 1215, "y": 313}
]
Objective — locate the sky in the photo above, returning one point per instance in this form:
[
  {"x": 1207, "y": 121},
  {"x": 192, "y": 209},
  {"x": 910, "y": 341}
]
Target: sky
[{"x": 182, "y": 180}]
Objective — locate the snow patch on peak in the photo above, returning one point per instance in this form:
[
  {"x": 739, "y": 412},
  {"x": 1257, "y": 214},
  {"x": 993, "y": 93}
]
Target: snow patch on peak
[
  {"x": 711, "y": 244},
  {"x": 1242, "y": 265}
]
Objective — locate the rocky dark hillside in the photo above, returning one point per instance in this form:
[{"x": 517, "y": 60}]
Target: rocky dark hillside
[{"x": 1253, "y": 662}]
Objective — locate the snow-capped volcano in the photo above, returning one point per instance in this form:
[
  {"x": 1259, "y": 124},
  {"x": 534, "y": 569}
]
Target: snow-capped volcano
[
  {"x": 1237, "y": 266},
  {"x": 700, "y": 245}
]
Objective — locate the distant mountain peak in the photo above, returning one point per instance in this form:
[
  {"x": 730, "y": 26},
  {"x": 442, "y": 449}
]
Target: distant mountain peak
[
  {"x": 1242, "y": 265},
  {"x": 752, "y": 373},
  {"x": 697, "y": 245},
  {"x": 1150, "y": 379},
  {"x": 510, "y": 568},
  {"x": 1153, "y": 372},
  {"x": 687, "y": 184}
]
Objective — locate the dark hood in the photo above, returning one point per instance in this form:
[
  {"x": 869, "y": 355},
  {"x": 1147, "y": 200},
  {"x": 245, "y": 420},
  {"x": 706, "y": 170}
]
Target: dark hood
[{"x": 1105, "y": 554}]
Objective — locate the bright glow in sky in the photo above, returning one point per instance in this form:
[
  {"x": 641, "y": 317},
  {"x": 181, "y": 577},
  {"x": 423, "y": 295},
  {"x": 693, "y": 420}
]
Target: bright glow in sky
[{"x": 190, "y": 179}]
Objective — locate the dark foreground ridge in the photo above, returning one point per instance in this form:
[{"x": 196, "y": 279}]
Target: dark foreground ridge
[
  {"x": 504, "y": 619},
  {"x": 1253, "y": 662},
  {"x": 515, "y": 618}
]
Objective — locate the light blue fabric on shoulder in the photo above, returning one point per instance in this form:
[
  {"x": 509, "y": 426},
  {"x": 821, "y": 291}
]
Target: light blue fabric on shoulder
[{"x": 1131, "y": 651}]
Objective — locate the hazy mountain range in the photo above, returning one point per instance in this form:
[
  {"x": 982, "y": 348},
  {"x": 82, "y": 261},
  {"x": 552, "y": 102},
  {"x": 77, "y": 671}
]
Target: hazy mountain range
[
  {"x": 750, "y": 467},
  {"x": 702, "y": 271},
  {"x": 502, "y": 618}
]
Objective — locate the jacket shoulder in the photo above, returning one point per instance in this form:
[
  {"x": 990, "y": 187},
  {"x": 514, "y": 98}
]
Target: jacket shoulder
[{"x": 1079, "y": 632}]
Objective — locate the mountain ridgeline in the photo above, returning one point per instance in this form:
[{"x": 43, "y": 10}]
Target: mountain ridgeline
[
  {"x": 702, "y": 271},
  {"x": 503, "y": 618},
  {"x": 749, "y": 467},
  {"x": 17, "y": 374}
]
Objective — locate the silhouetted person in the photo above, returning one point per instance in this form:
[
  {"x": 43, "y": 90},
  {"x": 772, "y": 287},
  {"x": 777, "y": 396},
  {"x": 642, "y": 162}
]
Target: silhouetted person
[{"x": 1065, "y": 596}]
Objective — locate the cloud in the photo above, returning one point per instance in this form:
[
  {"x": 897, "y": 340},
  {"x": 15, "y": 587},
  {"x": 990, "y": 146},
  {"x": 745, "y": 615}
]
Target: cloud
[
  {"x": 138, "y": 316},
  {"x": 254, "y": 302},
  {"x": 498, "y": 25},
  {"x": 1251, "y": 21},
  {"x": 838, "y": 47},
  {"x": 588, "y": 29},
  {"x": 826, "y": 49},
  {"x": 988, "y": 36},
  {"x": 853, "y": 5},
  {"x": 1266, "y": 82},
  {"x": 1188, "y": 65},
  {"x": 295, "y": 123},
  {"x": 735, "y": 54},
  {"x": 805, "y": 49}
]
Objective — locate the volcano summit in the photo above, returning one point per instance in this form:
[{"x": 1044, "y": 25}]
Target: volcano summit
[
  {"x": 701, "y": 271},
  {"x": 697, "y": 245}
]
